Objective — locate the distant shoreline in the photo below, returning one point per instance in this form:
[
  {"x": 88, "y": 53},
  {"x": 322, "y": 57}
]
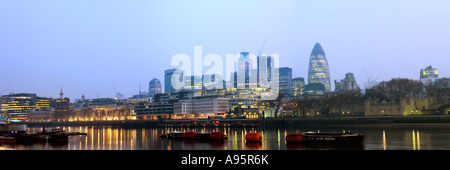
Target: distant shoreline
[
  {"x": 119, "y": 123},
  {"x": 359, "y": 121}
]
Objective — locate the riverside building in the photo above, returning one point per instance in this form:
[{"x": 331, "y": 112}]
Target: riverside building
[{"x": 428, "y": 75}]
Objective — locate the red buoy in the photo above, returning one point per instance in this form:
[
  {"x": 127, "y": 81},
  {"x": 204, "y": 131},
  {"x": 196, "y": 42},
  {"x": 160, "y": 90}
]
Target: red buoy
[
  {"x": 253, "y": 137},
  {"x": 294, "y": 138},
  {"x": 189, "y": 135},
  {"x": 216, "y": 136}
]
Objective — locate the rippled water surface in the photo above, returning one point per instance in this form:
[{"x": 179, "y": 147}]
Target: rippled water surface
[{"x": 411, "y": 137}]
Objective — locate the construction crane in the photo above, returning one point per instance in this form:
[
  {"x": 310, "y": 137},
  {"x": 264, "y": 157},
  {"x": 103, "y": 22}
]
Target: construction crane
[
  {"x": 370, "y": 79},
  {"x": 261, "y": 49},
  {"x": 115, "y": 89}
]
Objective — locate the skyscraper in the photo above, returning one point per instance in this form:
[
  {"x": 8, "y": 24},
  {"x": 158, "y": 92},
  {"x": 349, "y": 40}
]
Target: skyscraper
[
  {"x": 285, "y": 80},
  {"x": 192, "y": 83},
  {"x": 264, "y": 67},
  {"x": 298, "y": 86},
  {"x": 154, "y": 87},
  {"x": 244, "y": 71},
  {"x": 428, "y": 75},
  {"x": 173, "y": 74},
  {"x": 318, "y": 71}
]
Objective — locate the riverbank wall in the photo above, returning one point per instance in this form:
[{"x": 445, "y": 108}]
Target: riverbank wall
[
  {"x": 360, "y": 121},
  {"x": 120, "y": 123},
  {"x": 271, "y": 122}
]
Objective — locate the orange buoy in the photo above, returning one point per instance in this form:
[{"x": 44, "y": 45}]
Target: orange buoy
[
  {"x": 294, "y": 138},
  {"x": 189, "y": 135},
  {"x": 216, "y": 136},
  {"x": 253, "y": 137}
]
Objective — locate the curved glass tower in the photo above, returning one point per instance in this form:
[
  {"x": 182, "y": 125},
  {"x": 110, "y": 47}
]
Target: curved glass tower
[
  {"x": 318, "y": 71},
  {"x": 154, "y": 87}
]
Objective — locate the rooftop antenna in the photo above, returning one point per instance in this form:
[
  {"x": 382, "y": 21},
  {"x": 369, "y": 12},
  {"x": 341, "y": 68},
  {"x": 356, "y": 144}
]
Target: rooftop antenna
[{"x": 61, "y": 93}]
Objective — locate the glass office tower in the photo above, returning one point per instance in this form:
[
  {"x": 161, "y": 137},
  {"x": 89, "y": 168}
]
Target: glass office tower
[{"x": 318, "y": 71}]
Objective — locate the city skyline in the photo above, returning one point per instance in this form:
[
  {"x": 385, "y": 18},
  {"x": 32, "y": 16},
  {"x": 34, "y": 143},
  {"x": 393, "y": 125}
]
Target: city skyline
[{"x": 46, "y": 46}]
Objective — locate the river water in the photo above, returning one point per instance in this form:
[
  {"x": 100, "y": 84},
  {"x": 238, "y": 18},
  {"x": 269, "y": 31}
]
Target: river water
[{"x": 396, "y": 137}]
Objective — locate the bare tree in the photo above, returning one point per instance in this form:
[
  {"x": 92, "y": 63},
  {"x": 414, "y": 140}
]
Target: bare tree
[
  {"x": 438, "y": 88},
  {"x": 276, "y": 104},
  {"x": 398, "y": 88}
]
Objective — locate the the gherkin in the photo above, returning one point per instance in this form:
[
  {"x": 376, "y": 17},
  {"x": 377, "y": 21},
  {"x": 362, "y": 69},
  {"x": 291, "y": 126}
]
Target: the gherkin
[{"x": 318, "y": 71}]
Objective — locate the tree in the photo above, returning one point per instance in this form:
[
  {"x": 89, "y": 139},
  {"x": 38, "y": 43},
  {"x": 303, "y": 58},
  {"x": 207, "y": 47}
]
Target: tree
[
  {"x": 398, "y": 88},
  {"x": 125, "y": 113},
  {"x": 276, "y": 104},
  {"x": 438, "y": 88},
  {"x": 302, "y": 105}
]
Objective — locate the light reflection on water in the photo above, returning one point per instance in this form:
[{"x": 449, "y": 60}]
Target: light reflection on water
[{"x": 115, "y": 138}]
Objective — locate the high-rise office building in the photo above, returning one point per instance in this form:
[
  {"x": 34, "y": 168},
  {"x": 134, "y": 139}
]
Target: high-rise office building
[
  {"x": 428, "y": 75},
  {"x": 233, "y": 80},
  {"x": 298, "y": 86},
  {"x": 211, "y": 81},
  {"x": 154, "y": 87},
  {"x": 285, "y": 80},
  {"x": 208, "y": 81},
  {"x": 318, "y": 71},
  {"x": 193, "y": 83},
  {"x": 176, "y": 75},
  {"x": 18, "y": 106},
  {"x": 244, "y": 77},
  {"x": 312, "y": 89},
  {"x": 265, "y": 66}
]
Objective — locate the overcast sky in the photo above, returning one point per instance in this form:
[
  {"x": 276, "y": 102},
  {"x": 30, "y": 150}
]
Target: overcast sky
[{"x": 83, "y": 45}]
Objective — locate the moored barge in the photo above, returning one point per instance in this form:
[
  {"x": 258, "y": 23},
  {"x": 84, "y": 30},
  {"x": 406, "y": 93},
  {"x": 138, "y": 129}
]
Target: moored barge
[
  {"x": 196, "y": 135},
  {"x": 326, "y": 137}
]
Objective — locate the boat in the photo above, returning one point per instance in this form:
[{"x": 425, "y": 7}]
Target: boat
[
  {"x": 195, "y": 135},
  {"x": 7, "y": 139},
  {"x": 56, "y": 135},
  {"x": 15, "y": 132},
  {"x": 294, "y": 138},
  {"x": 326, "y": 137},
  {"x": 75, "y": 133},
  {"x": 59, "y": 137},
  {"x": 31, "y": 138},
  {"x": 53, "y": 131},
  {"x": 189, "y": 135},
  {"x": 217, "y": 136},
  {"x": 174, "y": 134},
  {"x": 7, "y": 126},
  {"x": 253, "y": 137}
]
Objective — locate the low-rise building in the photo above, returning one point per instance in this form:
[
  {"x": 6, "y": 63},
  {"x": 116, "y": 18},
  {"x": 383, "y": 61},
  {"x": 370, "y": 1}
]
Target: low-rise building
[{"x": 405, "y": 107}]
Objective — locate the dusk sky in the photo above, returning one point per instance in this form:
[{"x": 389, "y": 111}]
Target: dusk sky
[{"x": 83, "y": 45}]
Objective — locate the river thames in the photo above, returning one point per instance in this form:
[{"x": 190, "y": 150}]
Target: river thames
[{"x": 395, "y": 137}]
